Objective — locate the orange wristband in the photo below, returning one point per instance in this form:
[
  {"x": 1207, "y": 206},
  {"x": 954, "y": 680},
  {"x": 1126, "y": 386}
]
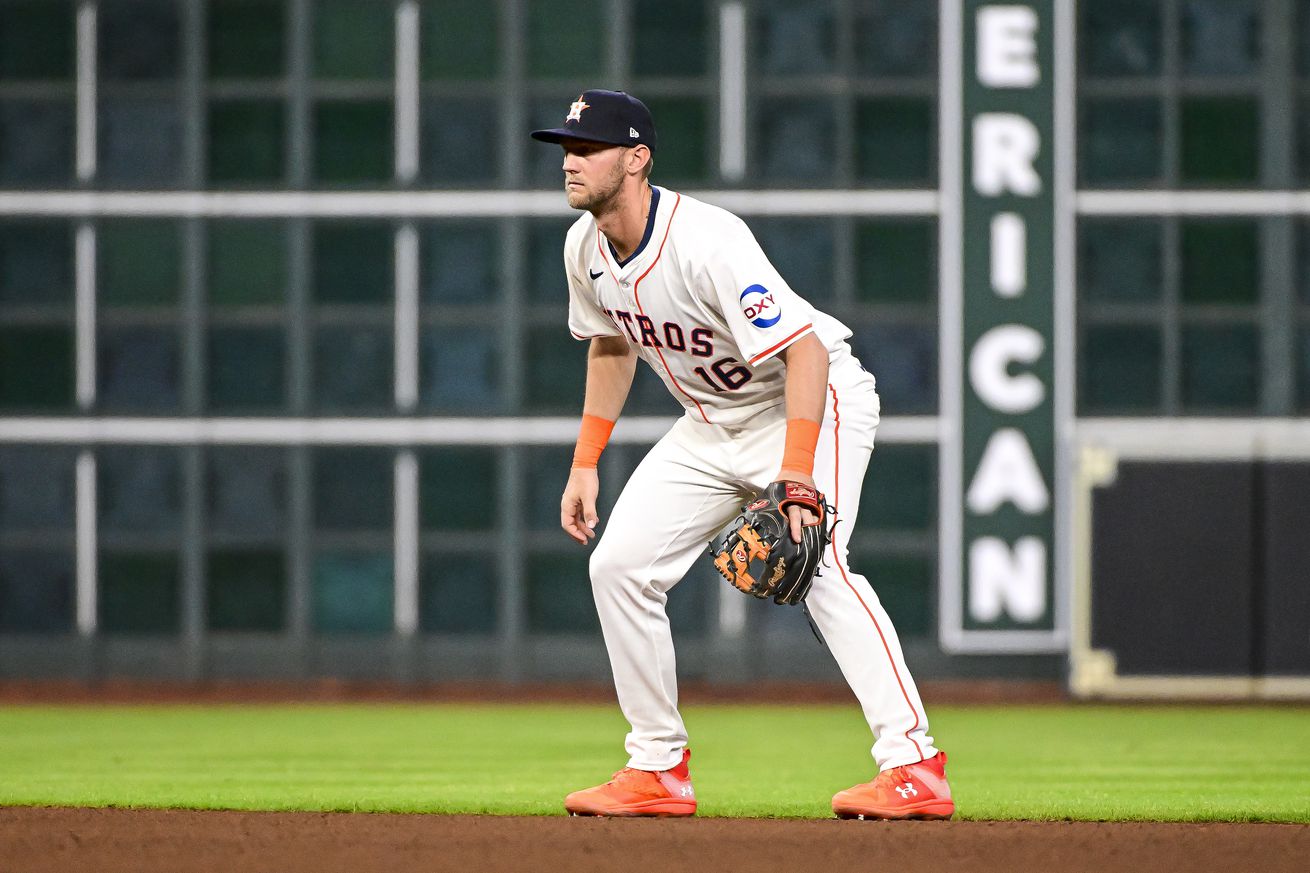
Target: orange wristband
[
  {"x": 802, "y": 437},
  {"x": 592, "y": 437}
]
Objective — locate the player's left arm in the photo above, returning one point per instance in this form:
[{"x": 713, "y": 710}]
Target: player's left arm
[{"x": 806, "y": 362}]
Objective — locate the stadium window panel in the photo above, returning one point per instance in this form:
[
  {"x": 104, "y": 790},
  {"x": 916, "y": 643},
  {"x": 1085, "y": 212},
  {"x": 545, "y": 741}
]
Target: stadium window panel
[
  {"x": 36, "y": 488},
  {"x": 1121, "y": 37},
  {"x": 139, "y": 489},
  {"x": 900, "y": 489},
  {"x": 353, "y": 592},
  {"x": 457, "y": 593},
  {"x": 566, "y": 38},
  {"x": 1119, "y": 260},
  {"x": 354, "y": 39},
  {"x": 353, "y": 262},
  {"x": 1221, "y": 367},
  {"x": 36, "y": 368},
  {"x": 683, "y": 125},
  {"x": 906, "y": 586},
  {"x": 36, "y": 263},
  {"x": 547, "y": 282},
  {"x": 352, "y": 141},
  {"x": 1303, "y": 369},
  {"x": 459, "y": 142},
  {"x": 796, "y": 38},
  {"x": 1121, "y": 142},
  {"x": 1302, "y": 13},
  {"x": 353, "y": 368},
  {"x": 548, "y": 470},
  {"x": 671, "y": 39},
  {"x": 557, "y": 376},
  {"x": 247, "y": 263},
  {"x": 1221, "y": 262},
  {"x": 139, "y": 39},
  {"x": 36, "y": 590},
  {"x": 559, "y": 595},
  {"x": 795, "y": 139},
  {"x": 139, "y": 593},
  {"x": 1221, "y": 37},
  {"x": 461, "y": 262},
  {"x": 1220, "y": 139},
  {"x": 246, "y": 590},
  {"x": 247, "y": 39},
  {"x": 1303, "y": 257},
  {"x": 139, "y": 262},
  {"x": 36, "y": 40},
  {"x": 895, "y": 39},
  {"x": 247, "y": 369},
  {"x": 246, "y": 141},
  {"x": 895, "y": 140},
  {"x": 140, "y": 141},
  {"x": 692, "y": 606},
  {"x": 1303, "y": 135},
  {"x": 1120, "y": 369},
  {"x": 353, "y": 489},
  {"x": 246, "y": 491},
  {"x": 459, "y": 369},
  {"x": 802, "y": 250},
  {"x": 903, "y": 358},
  {"x": 460, "y": 39},
  {"x": 896, "y": 261},
  {"x": 469, "y": 473},
  {"x": 36, "y": 142},
  {"x": 139, "y": 369}
]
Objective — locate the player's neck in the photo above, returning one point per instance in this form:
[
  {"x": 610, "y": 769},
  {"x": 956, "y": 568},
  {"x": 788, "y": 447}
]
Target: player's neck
[{"x": 623, "y": 219}]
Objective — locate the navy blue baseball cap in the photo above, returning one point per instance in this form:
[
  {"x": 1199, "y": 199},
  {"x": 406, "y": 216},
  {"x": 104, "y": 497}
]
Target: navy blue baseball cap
[{"x": 613, "y": 117}]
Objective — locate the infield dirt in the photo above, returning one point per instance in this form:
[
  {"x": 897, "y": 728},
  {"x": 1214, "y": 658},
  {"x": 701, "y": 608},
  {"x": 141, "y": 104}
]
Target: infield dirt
[{"x": 34, "y": 840}]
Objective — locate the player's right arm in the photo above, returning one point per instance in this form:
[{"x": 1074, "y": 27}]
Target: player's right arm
[{"x": 611, "y": 363}]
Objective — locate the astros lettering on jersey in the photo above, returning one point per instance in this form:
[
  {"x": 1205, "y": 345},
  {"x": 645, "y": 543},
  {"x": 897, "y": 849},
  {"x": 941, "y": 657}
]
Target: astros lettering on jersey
[{"x": 699, "y": 301}]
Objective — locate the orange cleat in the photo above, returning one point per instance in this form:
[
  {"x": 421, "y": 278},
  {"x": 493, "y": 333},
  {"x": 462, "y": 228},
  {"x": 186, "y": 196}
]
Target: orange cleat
[
  {"x": 909, "y": 791},
  {"x": 639, "y": 793}
]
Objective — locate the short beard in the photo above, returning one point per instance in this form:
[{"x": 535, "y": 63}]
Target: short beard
[{"x": 605, "y": 199}]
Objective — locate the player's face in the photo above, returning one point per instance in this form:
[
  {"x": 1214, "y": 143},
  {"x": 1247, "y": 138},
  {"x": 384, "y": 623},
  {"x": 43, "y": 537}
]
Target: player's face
[{"x": 593, "y": 172}]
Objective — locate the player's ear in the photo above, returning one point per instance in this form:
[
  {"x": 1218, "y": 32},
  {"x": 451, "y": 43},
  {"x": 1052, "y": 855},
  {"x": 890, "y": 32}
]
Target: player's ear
[{"x": 638, "y": 155}]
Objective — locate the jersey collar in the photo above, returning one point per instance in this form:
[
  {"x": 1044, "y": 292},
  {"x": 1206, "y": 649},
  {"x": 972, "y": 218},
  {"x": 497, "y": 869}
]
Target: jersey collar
[{"x": 645, "y": 237}]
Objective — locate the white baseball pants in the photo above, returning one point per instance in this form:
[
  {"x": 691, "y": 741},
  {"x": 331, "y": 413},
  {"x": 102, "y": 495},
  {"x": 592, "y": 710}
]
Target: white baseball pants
[{"x": 693, "y": 481}]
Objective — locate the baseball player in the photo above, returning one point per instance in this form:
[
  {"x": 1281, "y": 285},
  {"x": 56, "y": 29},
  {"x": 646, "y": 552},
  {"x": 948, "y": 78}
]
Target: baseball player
[{"x": 772, "y": 393}]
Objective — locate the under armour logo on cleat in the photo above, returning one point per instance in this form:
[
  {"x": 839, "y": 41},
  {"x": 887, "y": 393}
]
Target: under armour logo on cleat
[
  {"x": 907, "y": 790},
  {"x": 686, "y": 791}
]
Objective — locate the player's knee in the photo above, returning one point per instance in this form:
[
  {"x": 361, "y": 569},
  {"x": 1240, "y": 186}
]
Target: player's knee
[
  {"x": 606, "y": 571},
  {"x": 614, "y": 575}
]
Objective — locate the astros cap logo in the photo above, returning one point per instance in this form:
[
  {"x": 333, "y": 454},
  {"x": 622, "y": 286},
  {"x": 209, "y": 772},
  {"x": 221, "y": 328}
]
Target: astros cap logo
[{"x": 575, "y": 110}]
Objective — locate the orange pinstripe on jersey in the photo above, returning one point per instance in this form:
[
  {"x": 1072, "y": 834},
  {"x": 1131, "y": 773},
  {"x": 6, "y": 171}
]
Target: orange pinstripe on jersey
[{"x": 773, "y": 348}]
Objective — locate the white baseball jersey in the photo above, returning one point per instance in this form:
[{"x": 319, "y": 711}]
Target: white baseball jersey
[{"x": 700, "y": 302}]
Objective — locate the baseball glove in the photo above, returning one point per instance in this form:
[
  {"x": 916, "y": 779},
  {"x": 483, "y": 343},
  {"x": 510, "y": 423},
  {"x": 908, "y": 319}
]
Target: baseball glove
[{"x": 756, "y": 553}]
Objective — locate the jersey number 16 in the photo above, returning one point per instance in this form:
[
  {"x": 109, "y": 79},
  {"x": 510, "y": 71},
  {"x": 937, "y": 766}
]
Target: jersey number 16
[{"x": 729, "y": 377}]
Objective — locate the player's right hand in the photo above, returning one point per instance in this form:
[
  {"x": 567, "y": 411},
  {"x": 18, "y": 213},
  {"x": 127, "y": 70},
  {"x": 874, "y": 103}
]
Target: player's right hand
[{"x": 577, "y": 508}]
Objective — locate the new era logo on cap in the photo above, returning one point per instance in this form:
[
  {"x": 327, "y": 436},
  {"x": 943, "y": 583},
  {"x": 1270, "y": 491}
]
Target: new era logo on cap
[{"x": 612, "y": 117}]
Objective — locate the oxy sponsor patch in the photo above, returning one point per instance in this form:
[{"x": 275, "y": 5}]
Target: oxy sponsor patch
[{"x": 759, "y": 307}]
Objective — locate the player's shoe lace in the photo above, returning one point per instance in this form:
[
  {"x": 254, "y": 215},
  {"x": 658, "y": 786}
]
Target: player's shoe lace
[{"x": 638, "y": 782}]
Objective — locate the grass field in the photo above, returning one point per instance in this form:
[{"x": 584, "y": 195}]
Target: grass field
[{"x": 1014, "y": 762}]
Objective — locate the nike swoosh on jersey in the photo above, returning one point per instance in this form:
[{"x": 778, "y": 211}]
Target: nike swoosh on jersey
[{"x": 595, "y": 276}]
